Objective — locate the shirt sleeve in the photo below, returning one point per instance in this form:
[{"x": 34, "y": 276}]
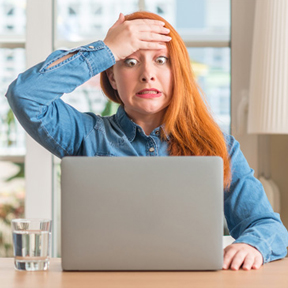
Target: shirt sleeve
[
  {"x": 250, "y": 217},
  {"x": 35, "y": 97}
]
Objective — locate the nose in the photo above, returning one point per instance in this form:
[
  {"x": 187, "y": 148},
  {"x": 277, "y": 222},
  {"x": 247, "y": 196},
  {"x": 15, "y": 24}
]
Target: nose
[
  {"x": 147, "y": 78},
  {"x": 147, "y": 74}
]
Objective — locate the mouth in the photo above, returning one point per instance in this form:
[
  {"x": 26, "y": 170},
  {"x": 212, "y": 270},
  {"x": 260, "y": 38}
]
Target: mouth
[{"x": 149, "y": 93}]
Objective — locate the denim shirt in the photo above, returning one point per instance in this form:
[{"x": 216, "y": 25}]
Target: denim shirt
[{"x": 35, "y": 99}]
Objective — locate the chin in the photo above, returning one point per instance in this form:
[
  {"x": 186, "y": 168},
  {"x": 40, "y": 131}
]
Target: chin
[{"x": 152, "y": 111}]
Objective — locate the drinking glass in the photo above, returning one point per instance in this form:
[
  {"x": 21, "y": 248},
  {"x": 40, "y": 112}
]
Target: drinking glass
[{"x": 31, "y": 243}]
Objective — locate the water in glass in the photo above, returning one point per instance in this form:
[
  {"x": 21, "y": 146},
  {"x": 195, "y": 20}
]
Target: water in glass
[{"x": 31, "y": 249}]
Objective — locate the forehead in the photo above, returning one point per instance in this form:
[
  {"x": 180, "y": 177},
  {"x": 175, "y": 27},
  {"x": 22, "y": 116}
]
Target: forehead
[{"x": 149, "y": 52}]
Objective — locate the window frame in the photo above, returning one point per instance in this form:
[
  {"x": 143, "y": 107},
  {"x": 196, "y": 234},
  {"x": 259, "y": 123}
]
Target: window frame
[
  {"x": 38, "y": 161},
  {"x": 242, "y": 23}
]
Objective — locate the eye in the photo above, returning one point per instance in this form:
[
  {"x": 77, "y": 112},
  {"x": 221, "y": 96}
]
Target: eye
[
  {"x": 130, "y": 62},
  {"x": 161, "y": 60}
]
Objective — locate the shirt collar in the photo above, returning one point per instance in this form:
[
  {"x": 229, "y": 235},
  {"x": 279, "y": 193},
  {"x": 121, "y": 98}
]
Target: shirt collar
[
  {"x": 165, "y": 133},
  {"x": 128, "y": 126}
]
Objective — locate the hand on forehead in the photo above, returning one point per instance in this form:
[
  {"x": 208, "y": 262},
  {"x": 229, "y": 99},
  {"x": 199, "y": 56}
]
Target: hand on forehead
[{"x": 126, "y": 37}]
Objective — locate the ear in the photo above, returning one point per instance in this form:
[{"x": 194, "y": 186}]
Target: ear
[{"x": 110, "y": 75}]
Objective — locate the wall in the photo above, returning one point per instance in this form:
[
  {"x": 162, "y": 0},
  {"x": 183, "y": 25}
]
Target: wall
[
  {"x": 241, "y": 43},
  {"x": 279, "y": 170},
  {"x": 241, "y": 47}
]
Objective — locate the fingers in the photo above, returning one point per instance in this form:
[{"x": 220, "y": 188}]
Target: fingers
[
  {"x": 119, "y": 21},
  {"x": 121, "y": 18},
  {"x": 152, "y": 41},
  {"x": 142, "y": 29},
  {"x": 228, "y": 257},
  {"x": 147, "y": 34},
  {"x": 152, "y": 36},
  {"x": 257, "y": 263},
  {"x": 150, "y": 28},
  {"x": 242, "y": 257},
  {"x": 147, "y": 22},
  {"x": 152, "y": 45},
  {"x": 248, "y": 262},
  {"x": 237, "y": 255},
  {"x": 126, "y": 37},
  {"x": 153, "y": 33},
  {"x": 142, "y": 25}
]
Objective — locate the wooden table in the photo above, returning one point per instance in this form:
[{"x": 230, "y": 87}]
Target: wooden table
[{"x": 272, "y": 275}]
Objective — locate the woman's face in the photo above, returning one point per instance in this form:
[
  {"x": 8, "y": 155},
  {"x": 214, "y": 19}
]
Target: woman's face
[{"x": 144, "y": 82}]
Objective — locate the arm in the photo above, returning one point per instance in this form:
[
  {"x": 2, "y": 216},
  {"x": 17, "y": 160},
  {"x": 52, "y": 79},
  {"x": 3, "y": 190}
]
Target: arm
[
  {"x": 258, "y": 231},
  {"x": 35, "y": 97}
]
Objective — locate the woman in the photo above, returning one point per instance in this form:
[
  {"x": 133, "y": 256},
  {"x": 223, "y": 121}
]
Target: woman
[{"x": 145, "y": 67}]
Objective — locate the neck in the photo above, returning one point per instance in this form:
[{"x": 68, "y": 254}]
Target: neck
[{"x": 147, "y": 122}]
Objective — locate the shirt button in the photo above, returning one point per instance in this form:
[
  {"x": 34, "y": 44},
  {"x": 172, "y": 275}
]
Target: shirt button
[
  {"x": 157, "y": 132},
  {"x": 151, "y": 149},
  {"x": 139, "y": 130},
  {"x": 91, "y": 47}
]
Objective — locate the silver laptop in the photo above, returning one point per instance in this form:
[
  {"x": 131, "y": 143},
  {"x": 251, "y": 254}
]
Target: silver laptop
[{"x": 141, "y": 213}]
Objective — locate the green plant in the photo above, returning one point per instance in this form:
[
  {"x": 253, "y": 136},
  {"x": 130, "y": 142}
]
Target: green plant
[
  {"x": 13, "y": 207},
  {"x": 19, "y": 174},
  {"x": 11, "y": 122},
  {"x": 110, "y": 108}
]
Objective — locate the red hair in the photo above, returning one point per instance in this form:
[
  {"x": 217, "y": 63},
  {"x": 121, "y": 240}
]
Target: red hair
[{"x": 188, "y": 122}]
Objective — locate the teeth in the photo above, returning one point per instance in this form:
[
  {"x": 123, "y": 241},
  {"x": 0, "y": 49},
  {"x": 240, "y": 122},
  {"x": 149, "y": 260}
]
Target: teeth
[{"x": 148, "y": 92}]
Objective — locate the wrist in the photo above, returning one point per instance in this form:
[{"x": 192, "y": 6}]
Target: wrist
[{"x": 111, "y": 49}]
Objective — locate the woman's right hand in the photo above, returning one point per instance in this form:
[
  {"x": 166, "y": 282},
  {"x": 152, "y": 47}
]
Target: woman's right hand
[{"x": 126, "y": 37}]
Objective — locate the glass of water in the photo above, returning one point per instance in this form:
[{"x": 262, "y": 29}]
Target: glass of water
[{"x": 32, "y": 244}]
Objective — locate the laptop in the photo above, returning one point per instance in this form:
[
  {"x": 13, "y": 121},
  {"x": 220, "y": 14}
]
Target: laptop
[{"x": 141, "y": 213}]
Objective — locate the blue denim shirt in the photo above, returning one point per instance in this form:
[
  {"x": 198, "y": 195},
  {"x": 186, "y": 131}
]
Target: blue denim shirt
[{"x": 35, "y": 99}]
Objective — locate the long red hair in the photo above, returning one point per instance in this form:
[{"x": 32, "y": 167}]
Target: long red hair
[{"x": 188, "y": 122}]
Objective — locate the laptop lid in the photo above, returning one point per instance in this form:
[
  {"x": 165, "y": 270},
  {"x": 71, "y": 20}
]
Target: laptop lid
[{"x": 141, "y": 213}]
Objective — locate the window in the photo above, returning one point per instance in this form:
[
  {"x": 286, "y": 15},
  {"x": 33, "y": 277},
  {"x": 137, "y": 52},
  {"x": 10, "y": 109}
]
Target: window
[
  {"x": 211, "y": 66},
  {"x": 12, "y": 136}
]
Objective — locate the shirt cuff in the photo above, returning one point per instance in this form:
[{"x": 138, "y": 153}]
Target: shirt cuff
[{"x": 104, "y": 59}]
